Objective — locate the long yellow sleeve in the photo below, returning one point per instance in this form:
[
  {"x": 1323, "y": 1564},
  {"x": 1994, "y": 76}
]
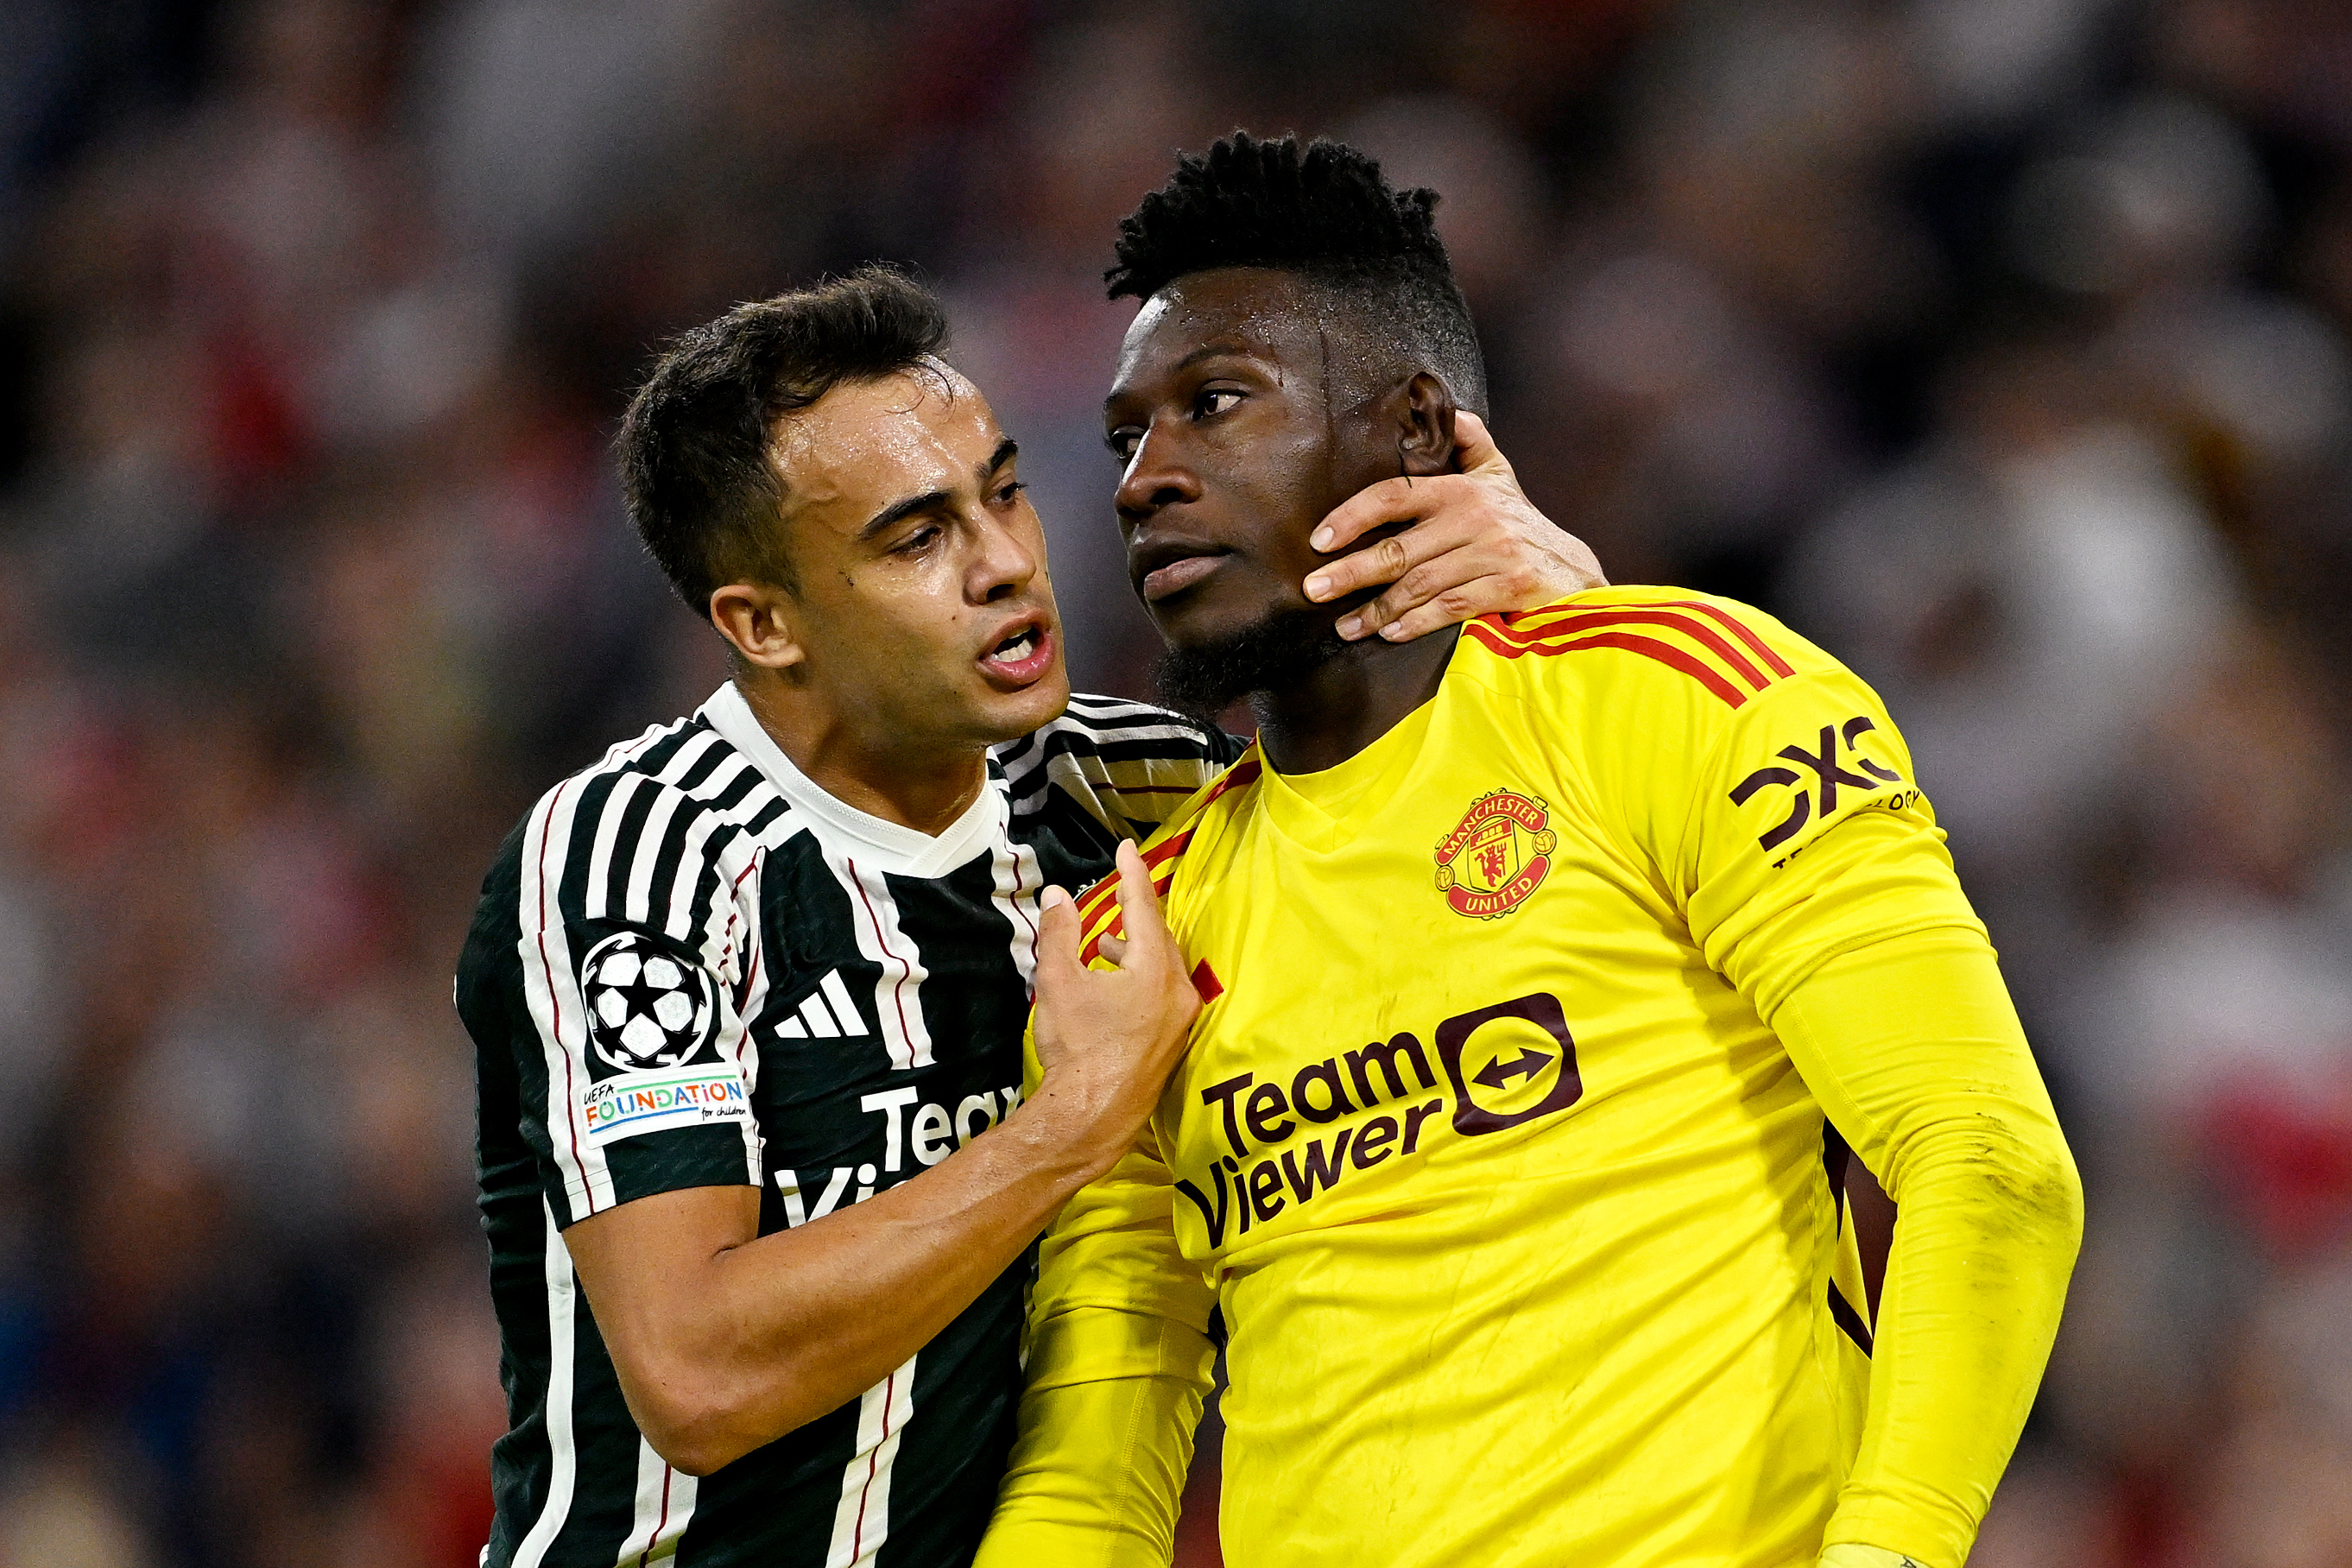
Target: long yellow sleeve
[
  {"x": 1119, "y": 1363},
  {"x": 1914, "y": 1050}
]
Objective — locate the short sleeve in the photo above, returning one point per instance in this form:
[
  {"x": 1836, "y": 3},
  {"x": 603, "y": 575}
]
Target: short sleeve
[{"x": 622, "y": 1006}]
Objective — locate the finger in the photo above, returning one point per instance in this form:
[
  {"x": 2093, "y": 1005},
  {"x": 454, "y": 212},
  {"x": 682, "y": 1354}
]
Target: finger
[
  {"x": 1374, "y": 506},
  {"x": 1473, "y": 447},
  {"x": 1115, "y": 949},
  {"x": 1138, "y": 906},
  {"x": 1447, "y": 519},
  {"x": 1450, "y": 608},
  {"x": 1469, "y": 562},
  {"x": 1057, "y": 937}
]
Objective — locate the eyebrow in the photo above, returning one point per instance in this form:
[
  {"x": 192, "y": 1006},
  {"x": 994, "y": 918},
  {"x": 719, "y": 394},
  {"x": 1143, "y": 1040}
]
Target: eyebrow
[
  {"x": 1206, "y": 351},
  {"x": 900, "y": 510}
]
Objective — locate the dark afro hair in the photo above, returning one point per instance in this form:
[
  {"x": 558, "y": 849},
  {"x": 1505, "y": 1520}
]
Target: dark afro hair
[
  {"x": 1326, "y": 212},
  {"x": 693, "y": 447}
]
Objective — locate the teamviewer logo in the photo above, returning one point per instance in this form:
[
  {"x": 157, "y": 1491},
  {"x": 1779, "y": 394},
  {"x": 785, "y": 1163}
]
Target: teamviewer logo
[{"x": 1518, "y": 1063}]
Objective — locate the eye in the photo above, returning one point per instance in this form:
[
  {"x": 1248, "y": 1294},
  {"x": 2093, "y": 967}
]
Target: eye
[
  {"x": 1212, "y": 401},
  {"x": 918, "y": 542},
  {"x": 1124, "y": 440},
  {"x": 1005, "y": 494}
]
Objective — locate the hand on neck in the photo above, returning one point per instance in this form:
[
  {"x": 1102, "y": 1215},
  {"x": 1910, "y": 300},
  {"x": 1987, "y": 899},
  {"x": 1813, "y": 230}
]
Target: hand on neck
[{"x": 925, "y": 785}]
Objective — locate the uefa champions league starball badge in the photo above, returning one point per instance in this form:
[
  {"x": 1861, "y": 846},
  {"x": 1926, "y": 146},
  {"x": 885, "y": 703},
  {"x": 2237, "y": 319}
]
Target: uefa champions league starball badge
[{"x": 646, "y": 1007}]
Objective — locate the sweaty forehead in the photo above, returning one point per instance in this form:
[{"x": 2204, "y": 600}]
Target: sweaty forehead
[
  {"x": 866, "y": 445},
  {"x": 1255, "y": 310}
]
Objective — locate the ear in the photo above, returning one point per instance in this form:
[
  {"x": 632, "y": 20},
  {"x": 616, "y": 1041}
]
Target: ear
[
  {"x": 757, "y": 620},
  {"x": 1425, "y": 426}
]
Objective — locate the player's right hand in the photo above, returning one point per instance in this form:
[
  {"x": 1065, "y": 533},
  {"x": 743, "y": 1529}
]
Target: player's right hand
[
  {"x": 1476, "y": 545},
  {"x": 1107, "y": 1038}
]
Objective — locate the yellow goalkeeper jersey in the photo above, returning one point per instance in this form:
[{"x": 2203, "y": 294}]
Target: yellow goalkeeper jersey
[{"x": 1515, "y": 1207}]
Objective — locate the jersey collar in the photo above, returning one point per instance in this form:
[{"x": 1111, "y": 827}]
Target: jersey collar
[
  {"x": 1321, "y": 811},
  {"x": 841, "y": 827}
]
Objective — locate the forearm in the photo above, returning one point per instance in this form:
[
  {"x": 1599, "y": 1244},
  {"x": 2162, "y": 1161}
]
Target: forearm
[
  {"x": 1098, "y": 1472},
  {"x": 724, "y": 1352},
  {"x": 1916, "y": 1053},
  {"x": 1119, "y": 1360}
]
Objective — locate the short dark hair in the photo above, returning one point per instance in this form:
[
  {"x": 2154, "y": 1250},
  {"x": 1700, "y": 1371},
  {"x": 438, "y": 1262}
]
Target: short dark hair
[
  {"x": 1326, "y": 212},
  {"x": 693, "y": 447}
]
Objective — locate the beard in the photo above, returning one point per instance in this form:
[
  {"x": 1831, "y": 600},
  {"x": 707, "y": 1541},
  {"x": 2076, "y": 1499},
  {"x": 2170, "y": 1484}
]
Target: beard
[{"x": 1205, "y": 679}]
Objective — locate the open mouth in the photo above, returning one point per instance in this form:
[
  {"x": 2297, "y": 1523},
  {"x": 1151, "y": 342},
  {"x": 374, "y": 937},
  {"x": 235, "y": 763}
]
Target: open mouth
[{"x": 1021, "y": 656}]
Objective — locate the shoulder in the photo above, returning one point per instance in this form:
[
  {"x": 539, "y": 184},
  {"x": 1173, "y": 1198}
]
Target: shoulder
[
  {"x": 637, "y": 834},
  {"x": 1127, "y": 764},
  {"x": 1649, "y": 644},
  {"x": 1194, "y": 826},
  {"x": 1648, "y": 694},
  {"x": 1098, "y": 732}
]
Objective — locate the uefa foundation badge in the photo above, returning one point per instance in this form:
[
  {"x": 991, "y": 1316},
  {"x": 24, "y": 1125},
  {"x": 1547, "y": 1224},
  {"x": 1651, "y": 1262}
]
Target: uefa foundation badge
[{"x": 1497, "y": 855}]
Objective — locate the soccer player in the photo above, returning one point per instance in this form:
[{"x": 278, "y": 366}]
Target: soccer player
[
  {"x": 1545, "y": 966},
  {"x": 748, "y": 994}
]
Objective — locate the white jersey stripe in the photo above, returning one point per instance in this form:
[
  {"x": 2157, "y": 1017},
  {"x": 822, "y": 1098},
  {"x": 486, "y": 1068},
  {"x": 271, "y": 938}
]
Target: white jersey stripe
[
  {"x": 690, "y": 867},
  {"x": 898, "y": 993},
  {"x": 635, "y": 900},
  {"x": 740, "y": 851},
  {"x": 553, "y": 995},
  {"x": 665, "y": 1506},
  {"x": 596, "y": 905},
  {"x": 861, "y": 1522},
  {"x": 746, "y": 1049},
  {"x": 1018, "y": 884},
  {"x": 678, "y": 919},
  {"x": 550, "y": 986},
  {"x": 563, "y": 1301}
]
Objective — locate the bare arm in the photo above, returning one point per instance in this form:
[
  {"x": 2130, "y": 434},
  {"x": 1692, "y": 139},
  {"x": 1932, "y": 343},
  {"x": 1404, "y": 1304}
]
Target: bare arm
[
  {"x": 726, "y": 1339},
  {"x": 1476, "y": 545}
]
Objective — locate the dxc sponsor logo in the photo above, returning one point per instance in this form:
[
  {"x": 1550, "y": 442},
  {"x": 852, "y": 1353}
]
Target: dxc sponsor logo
[
  {"x": 1827, "y": 774},
  {"x": 1240, "y": 1188}
]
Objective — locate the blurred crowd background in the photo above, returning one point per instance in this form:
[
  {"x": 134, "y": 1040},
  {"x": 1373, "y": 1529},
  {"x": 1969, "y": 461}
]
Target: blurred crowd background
[{"x": 1999, "y": 345}]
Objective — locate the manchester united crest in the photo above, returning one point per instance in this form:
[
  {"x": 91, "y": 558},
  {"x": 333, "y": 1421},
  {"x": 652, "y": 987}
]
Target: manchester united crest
[{"x": 1497, "y": 855}]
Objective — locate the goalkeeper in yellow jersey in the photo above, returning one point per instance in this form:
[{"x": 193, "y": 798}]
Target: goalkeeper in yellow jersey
[{"x": 1544, "y": 968}]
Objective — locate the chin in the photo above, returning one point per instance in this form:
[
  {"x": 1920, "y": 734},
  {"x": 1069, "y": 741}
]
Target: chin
[
  {"x": 1203, "y": 674},
  {"x": 1199, "y": 620},
  {"x": 1008, "y": 715}
]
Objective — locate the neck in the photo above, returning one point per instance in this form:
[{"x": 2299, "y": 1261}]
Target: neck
[
  {"x": 1341, "y": 706},
  {"x": 922, "y": 788}
]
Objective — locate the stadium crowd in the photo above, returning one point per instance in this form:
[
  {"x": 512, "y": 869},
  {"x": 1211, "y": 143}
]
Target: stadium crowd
[{"x": 2003, "y": 348}]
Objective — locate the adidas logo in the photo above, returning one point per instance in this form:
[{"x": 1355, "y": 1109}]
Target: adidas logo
[{"x": 828, "y": 1014}]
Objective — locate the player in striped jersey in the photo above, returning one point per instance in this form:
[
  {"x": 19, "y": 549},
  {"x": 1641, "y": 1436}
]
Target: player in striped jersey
[
  {"x": 1537, "y": 964},
  {"x": 757, "y": 1168}
]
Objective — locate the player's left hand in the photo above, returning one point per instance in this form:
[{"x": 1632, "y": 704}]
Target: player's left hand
[{"x": 1476, "y": 545}]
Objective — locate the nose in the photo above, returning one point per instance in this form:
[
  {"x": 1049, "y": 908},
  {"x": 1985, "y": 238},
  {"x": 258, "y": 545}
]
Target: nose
[
  {"x": 1155, "y": 478},
  {"x": 1007, "y": 561}
]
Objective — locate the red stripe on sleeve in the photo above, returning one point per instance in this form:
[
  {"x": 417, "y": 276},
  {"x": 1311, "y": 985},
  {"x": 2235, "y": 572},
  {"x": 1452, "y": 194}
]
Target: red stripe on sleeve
[
  {"x": 1700, "y": 634},
  {"x": 1648, "y": 648},
  {"x": 1739, "y": 629}
]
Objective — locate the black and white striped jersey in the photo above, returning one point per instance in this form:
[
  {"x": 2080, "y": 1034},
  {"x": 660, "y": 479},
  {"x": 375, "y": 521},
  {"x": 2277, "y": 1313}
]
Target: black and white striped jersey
[{"x": 693, "y": 967}]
